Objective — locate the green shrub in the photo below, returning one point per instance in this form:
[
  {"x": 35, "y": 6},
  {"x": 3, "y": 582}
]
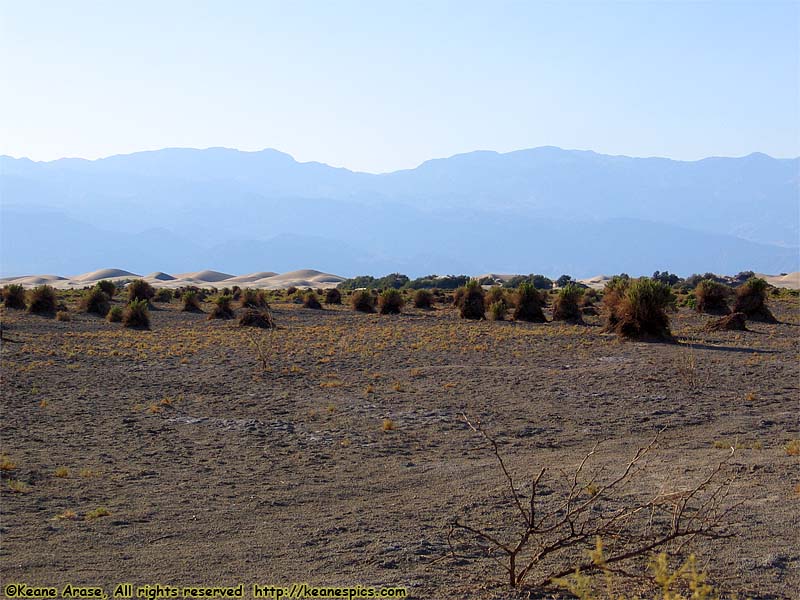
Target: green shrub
[
  {"x": 567, "y": 305},
  {"x": 115, "y": 314},
  {"x": 162, "y": 295},
  {"x": 310, "y": 300},
  {"x": 751, "y": 299},
  {"x": 423, "y": 299},
  {"x": 136, "y": 315},
  {"x": 257, "y": 318},
  {"x": 95, "y": 301},
  {"x": 333, "y": 296},
  {"x": 637, "y": 309},
  {"x": 222, "y": 308},
  {"x": 250, "y": 298},
  {"x": 107, "y": 287},
  {"x": 529, "y": 303},
  {"x": 42, "y": 300},
  {"x": 362, "y": 301},
  {"x": 14, "y": 296},
  {"x": 470, "y": 301},
  {"x": 139, "y": 289},
  {"x": 497, "y": 311},
  {"x": 191, "y": 302},
  {"x": 390, "y": 302},
  {"x": 712, "y": 297}
]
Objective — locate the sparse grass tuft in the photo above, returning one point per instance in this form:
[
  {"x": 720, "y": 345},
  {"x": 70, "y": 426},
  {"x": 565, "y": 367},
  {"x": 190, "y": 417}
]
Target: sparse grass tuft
[
  {"x": 62, "y": 472},
  {"x": 6, "y": 464},
  {"x": 792, "y": 448},
  {"x": 100, "y": 511},
  {"x": 63, "y": 315},
  {"x": 388, "y": 425},
  {"x": 18, "y": 487}
]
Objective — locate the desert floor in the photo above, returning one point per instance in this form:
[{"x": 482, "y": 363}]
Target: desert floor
[{"x": 214, "y": 470}]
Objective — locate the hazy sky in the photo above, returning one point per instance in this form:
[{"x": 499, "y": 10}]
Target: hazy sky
[{"x": 378, "y": 86}]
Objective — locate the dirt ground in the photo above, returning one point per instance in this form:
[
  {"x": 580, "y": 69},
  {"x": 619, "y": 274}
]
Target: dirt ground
[{"x": 343, "y": 462}]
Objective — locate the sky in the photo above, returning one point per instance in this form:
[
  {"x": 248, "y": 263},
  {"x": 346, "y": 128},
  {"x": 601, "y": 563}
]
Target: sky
[{"x": 378, "y": 86}]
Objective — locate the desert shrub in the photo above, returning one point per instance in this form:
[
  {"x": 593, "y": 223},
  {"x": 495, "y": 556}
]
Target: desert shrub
[
  {"x": 222, "y": 308},
  {"x": 497, "y": 311},
  {"x": 162, "y": 295},
  {"x": 291, "y": 290},
  {"x": 191, "y": 302},
  {"x": 564, "y": 280},
  {"x": 637, "y": 308},
  {"x": 390, "y": 302},
  {"x": 250, "y": 298},
  {"x": 362, "y": 301},
  {"x": 136, "y": 315},
  {"x": 529, "y": 303},
  {"x": 666, "y": 277},
  {"x": 494, "y": 295},
  {"x": 95, "y": 301},
  {"x": 14, "y": 296},
  {"x": 310, "y": 300},
  {"x": 236, "y": 292},
  {"x": 470, "y": 301},
  {"x": 566, "y": 306},
  {"x": 257, "y": 318},
  {"x": 540, "y": 282},
  {"x": 42, "y": 300},
  {"x": 732, "y": 322},
  {"x": 712, "y": 297},
  {"x": 62, "y": 315},
  {"x": 107, "y": 287},
  {"x": 115, "y": 314},
  {"x": 139, "y": 289},
  {"x": 423, "y": 299},
  {"x": 751, "y": 299},
  {"x": 333, "y": 296}
]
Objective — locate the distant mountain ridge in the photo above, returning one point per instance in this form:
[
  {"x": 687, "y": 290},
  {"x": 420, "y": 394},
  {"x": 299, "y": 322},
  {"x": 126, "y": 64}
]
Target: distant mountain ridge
[{"x": 538, "y": 210}]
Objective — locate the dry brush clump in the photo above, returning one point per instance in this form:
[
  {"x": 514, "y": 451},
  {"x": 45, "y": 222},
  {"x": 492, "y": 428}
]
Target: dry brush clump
[
  {"x": 423, "y": 299},
  {"x": 567, "y": 305},
  {"x": 712, "y": 297},
  {"x": 310, "y": 300},
  {"x": 139, "y": 289},
  {"x": 751, "y": 299},
  {"x": 136, "y": 315},
  {"x": 333, "y": 296},
  {"x": 14, "y": 296},
  {"x": 42, "y": 300},
  {"x": 529, "y": 303},
  {"x": 637, "y": 309},
  {"x": 362, "y": 301},
  {"x": 257, "y": 317},
  {"x": 546, "y": 526},
  {"x": 732, "y": 322},
  {"x": 95, "y": 301},
  {"x": 107, "y": 287},
  {"x": 470, "y": 301},
  {"x": 390, "y": 302}
]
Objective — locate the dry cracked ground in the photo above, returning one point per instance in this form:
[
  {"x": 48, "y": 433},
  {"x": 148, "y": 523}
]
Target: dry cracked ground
[{"x": 173, "y": 456}]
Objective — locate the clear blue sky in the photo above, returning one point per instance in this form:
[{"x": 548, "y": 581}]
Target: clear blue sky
[{"x": 378, "y": 86}]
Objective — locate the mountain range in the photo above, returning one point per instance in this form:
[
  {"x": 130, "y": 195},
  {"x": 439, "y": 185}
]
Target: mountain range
[{"x": 543, "y": 210}]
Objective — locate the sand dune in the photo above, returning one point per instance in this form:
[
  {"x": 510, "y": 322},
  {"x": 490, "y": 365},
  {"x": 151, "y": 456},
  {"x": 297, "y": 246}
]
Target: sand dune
[
  {"x": 206, "y": 278},
  {"x": 790, "y": 280}
]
